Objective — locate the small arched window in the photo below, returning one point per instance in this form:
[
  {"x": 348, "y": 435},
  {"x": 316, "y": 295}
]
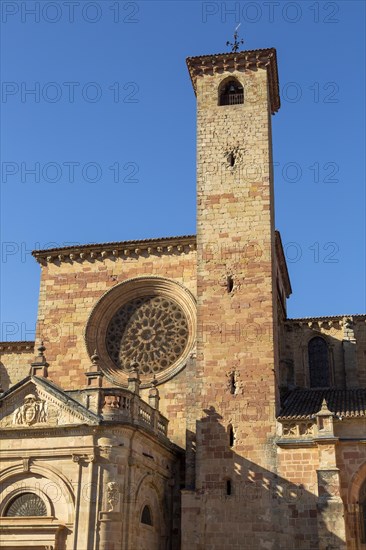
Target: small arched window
[
  {"x": 146, "y": 516},
  {"x": 231, "y": 92},
  {"x": 26, "y": 504},
  {"x": 318, "y": 363}
]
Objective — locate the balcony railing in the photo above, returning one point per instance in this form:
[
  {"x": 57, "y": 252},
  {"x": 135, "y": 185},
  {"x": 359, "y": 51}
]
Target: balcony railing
[
  {"x": 232, "y": 99},
  {"x": 122, "y": 406}
]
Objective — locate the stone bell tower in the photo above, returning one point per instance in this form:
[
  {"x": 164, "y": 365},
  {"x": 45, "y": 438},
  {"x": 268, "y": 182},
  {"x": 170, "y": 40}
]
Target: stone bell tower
[{"x": 231, "y": 420}]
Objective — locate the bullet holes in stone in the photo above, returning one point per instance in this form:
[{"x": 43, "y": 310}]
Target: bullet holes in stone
[
  {"x": 233, "y": 155},
  {"x": 230, "y": 284}
]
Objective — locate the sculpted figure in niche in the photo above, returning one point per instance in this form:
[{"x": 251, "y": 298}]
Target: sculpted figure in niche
[{"x": 112, "y": 495}]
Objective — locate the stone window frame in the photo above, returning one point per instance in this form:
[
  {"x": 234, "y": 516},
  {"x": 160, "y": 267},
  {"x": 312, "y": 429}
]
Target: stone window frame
[
  {"x": 18, "y": 492},
  {"x": 306, "y": 362},
  {"x": 326, "y": 363},
  {"x": 114, "y": 298},
  {"x": 147, "y": 506},
  {"x": 228, "y": 488}
]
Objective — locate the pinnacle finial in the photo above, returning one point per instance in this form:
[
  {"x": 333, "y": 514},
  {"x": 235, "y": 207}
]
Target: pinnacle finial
[
  {"x": 134, "y": 368},
  {"x": 41, "y": 349},
  {"x": 235, "y": 45},
  {"x": 154, "y": 396},
  {"x": 39, "y": 366}
]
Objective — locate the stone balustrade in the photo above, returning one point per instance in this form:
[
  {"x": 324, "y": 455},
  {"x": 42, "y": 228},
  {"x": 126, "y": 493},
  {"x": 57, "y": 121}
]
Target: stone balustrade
[{"x": 122, "y": 406}]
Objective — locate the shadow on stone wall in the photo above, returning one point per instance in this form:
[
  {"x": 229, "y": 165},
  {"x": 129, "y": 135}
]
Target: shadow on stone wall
[{"x": 242, "y": 506}]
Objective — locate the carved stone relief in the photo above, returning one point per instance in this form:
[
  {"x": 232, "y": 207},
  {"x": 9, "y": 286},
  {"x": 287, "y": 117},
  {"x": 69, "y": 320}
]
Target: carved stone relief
[
  {"x": 112, "y": 495},
  {"x": 33, "y": 411}
]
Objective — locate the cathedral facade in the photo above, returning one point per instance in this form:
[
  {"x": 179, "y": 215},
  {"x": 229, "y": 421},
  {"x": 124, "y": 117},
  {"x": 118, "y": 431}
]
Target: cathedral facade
[{"x": 168, "y": 401}]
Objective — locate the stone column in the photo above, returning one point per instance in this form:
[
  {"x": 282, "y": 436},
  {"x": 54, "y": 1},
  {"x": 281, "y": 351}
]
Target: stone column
[
  {"x": 134, "y": 380},
  {"x": 109, "y": 514},
  {"x": 154, "y": 397},
  {"x": 84, "y": 501}
]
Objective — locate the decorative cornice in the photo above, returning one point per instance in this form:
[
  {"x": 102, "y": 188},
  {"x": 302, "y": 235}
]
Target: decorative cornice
[
  {"x": 327, "y": 322},
  {"x": 239, "y": 61},
  {"x": 21, "y": 346},
  {"x": 123, "y": 249}
]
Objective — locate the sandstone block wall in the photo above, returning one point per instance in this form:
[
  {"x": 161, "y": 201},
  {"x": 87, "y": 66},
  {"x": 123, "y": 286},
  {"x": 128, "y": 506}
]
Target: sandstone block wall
[
  {"x": 231, "y": 405},
  {"x": 95, "y": 483},
  {"x": 70, "y": 290},
  {"x": 15, "y": 360},
  {"x": 346, "y": 340}
]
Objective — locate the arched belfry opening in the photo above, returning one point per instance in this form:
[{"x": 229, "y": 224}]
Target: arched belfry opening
[{"x": 231, "y": 92}]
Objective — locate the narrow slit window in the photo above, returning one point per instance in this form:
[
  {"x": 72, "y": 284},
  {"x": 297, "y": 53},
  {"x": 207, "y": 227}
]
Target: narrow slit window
[
  {"x": 231, "y": 435},
  {"x": 230, "y": 284},
  {"x": 228, "y": 487}
]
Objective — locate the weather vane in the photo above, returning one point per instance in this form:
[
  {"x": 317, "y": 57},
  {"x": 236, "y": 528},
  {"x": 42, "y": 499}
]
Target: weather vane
[{"x": 235, "y": 45}]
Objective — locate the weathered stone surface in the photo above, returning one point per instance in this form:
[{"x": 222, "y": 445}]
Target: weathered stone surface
[{"x": 218, "y": 441}]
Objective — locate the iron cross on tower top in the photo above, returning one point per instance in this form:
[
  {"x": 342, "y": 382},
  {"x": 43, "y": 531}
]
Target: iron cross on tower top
[{"x": 235, "y": 45}]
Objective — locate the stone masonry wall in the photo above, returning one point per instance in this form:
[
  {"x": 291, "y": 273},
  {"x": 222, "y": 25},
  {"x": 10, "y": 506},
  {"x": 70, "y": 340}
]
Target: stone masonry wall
[
  {"x": 234, "y": 381},
  {"x": 347, "y": 348},
  {"x": 68, "y": 294},
  {"x": 15, "y": 361}
]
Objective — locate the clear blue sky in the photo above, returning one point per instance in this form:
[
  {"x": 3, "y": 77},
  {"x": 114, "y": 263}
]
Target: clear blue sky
[{"x": 112, "y": 90}]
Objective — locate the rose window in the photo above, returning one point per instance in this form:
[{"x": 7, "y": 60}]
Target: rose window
[{"x": 151, "y": 331}]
